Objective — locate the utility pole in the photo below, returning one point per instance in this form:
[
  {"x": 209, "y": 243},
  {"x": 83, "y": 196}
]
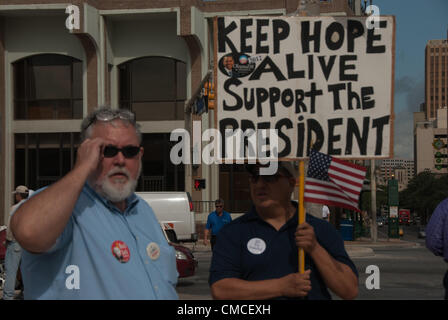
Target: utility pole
[{"x": 373, "y": 226}]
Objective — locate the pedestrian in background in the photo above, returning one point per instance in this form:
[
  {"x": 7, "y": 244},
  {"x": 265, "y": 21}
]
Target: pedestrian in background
[
  {"x": 437, "y": 236},
  {"x": 13, "y": 249},
  {"x": 215, "y": 221}
]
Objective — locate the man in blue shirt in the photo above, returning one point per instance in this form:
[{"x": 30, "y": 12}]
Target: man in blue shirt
[
  {"x": 215, "y": 221},
  {"x": 88, "y": 236},
  {"x": 256, "y": 255},
  {"x": 437, "y": 236}
]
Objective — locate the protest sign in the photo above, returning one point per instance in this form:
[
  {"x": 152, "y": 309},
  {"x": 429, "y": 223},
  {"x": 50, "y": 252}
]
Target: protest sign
[{"x": 325, "y": 82}]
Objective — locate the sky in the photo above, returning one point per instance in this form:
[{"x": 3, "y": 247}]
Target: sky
[{"x": 417, "y": 21}]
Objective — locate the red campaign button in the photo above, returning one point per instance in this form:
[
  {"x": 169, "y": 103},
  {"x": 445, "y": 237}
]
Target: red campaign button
[{"x": 121, "y": 251}]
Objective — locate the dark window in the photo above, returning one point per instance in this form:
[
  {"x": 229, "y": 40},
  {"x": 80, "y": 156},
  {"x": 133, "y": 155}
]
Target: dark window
[
  {"x": 158, "y": 172},
  {"x": 48, "y": 86},
  {"x": 154, "y": 88},
  {"x": 43, "y": 158}
]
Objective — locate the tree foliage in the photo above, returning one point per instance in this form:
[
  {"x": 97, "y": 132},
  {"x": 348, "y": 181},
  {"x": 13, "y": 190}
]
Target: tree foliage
[
  {"x": 424, "y": 192},
  {"x": 381, "y": 199}
]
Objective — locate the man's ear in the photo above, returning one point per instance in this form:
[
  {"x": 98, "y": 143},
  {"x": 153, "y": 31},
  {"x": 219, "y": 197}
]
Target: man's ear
[{"x": 142, "y": 151}]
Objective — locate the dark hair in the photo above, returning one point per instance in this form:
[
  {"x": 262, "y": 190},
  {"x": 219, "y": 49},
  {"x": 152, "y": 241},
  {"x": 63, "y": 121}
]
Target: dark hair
[{"x": 219, "y": 201}]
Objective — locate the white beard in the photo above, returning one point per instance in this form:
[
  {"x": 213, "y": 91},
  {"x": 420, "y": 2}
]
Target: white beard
[{"x": 120, "y": 190}]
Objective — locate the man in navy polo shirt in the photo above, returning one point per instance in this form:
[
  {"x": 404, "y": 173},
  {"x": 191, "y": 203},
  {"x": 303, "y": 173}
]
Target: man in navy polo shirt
[
  {"x": 256, "y": 255},
  {"x": 88, "y": 235},
  {"x": 215, "y": 221}
]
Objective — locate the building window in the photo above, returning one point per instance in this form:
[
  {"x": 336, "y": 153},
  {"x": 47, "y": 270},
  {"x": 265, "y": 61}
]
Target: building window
[
  {"x": 48, "y": 86},
  {"x": 158, "y": 172},
  {"x": 43, "y": 158},
  {"x": 154, "y": 88}
]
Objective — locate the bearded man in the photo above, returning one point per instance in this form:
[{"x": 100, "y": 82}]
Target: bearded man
[{"x": 89, "y": 236}]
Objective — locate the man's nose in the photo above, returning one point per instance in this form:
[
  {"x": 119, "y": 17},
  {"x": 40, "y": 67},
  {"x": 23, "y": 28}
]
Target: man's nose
[{"x": 119, "y": 159}]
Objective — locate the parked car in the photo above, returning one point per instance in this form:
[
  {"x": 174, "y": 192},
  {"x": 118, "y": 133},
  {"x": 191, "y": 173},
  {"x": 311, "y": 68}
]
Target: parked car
[
  {"x": 185, "y": 260},
  {"x": 380, "y": 222},
  {"x": 421, "y": 232}
]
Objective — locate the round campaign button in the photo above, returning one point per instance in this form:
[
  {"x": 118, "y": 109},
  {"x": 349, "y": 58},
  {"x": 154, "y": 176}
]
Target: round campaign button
[
  {"x": 121, "y": 251},
  {"x": 256, "y": 246},
  {"x": 153, "y": 250}
]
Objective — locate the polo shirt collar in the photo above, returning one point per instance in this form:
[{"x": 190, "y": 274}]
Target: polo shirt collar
[
  {"x": 253, "y": 215},
  {"x": 131, "y": 201}
]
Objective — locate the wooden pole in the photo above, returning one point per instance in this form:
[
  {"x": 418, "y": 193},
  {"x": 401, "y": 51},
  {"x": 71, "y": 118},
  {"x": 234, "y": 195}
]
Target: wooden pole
[
  {"x": 373, "y": 226},
  {"x": 301, "y": 209}
]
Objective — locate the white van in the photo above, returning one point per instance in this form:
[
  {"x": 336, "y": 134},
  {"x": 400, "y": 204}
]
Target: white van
[{"x": 174, "y": 210}]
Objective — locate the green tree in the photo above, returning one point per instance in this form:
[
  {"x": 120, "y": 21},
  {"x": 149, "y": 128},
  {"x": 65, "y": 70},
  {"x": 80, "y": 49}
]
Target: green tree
[{"x": 424, "y": 192}]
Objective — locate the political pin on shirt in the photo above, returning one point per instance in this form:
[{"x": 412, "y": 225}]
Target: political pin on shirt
[
  {"x": 120, "y": 251},
  {"x": 153, "y": 250},
  {"x": 256, "y": 246}
]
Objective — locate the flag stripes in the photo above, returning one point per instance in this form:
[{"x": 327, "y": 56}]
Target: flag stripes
[{"x": 333, "y": 181}]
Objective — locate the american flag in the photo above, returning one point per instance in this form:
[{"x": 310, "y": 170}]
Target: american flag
[{"x": 333, "y": 182}]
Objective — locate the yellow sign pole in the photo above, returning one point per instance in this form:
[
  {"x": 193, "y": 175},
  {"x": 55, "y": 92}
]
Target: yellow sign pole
[{"x": 301, "y": 209}]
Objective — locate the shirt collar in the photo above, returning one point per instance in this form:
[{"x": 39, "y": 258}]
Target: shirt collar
[
  {"x": 131, "y": 201},
  {"x": 253, "y": 215}
]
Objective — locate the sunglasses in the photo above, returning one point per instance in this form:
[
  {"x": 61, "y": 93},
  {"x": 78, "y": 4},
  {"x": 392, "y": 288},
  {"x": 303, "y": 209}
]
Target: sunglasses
[
  {"x": 218, "y": 206},
  {"x": 266, "y": 178},
  {"x": 109, "y": 115},
  {"x": 128, "y": 151}
]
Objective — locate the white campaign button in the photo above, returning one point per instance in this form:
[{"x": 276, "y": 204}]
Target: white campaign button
[
  {"x": 153, "y": 250},
  {"x": 256, "y": 246}
]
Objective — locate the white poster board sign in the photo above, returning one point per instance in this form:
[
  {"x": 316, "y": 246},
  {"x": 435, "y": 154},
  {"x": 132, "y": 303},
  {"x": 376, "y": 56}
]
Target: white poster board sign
[{"x": 321, "y": 82}]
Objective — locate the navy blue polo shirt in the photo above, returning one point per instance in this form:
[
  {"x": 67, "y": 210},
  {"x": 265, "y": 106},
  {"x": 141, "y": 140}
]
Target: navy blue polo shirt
[{"x": 251, "y": 249}]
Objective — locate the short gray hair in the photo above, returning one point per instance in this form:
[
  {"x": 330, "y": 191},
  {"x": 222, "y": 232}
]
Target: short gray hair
[{"x": 117, "y": 114}]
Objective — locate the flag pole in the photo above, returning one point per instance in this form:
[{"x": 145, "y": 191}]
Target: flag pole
[{"x": 301, "y": 209}]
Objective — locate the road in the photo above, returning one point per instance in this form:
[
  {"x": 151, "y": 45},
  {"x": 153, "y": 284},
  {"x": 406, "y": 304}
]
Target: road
[
  {"x": 196, "y": 287},
  {"x": 411, "y": 273}
]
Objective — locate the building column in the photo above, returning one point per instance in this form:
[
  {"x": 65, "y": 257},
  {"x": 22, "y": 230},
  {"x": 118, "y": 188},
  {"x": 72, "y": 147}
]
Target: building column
[
  {"x": 92, "y": 71},
  {"x": 3, "y": 134}
]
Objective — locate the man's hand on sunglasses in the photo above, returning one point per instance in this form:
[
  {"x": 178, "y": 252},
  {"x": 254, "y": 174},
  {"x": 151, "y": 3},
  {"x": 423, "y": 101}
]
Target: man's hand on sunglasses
[{"x": 89, "y": 154}]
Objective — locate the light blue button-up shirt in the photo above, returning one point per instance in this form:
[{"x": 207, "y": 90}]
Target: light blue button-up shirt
[{"x": 81, "y": 265}]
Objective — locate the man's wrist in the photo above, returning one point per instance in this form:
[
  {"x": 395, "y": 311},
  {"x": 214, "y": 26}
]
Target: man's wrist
[{"x": 315, "y": 250}]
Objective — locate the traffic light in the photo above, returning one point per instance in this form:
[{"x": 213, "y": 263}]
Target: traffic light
[
  {"x": 209, "y": 92},
  {"x": 199, "y": 184}
]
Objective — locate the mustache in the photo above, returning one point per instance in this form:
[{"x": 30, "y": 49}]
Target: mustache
[{"x": 119, "y": 170}]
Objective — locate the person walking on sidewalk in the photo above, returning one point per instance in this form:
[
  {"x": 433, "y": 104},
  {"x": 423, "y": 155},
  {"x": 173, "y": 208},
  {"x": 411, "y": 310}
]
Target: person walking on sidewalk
[
  {"x": 437, "y": 236},
  {"x": 215, "y": 221},
  {"x": 13, "y": 249}
]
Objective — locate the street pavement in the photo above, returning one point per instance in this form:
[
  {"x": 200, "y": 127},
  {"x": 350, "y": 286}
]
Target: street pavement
[{"x": 364, "y": 247}]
